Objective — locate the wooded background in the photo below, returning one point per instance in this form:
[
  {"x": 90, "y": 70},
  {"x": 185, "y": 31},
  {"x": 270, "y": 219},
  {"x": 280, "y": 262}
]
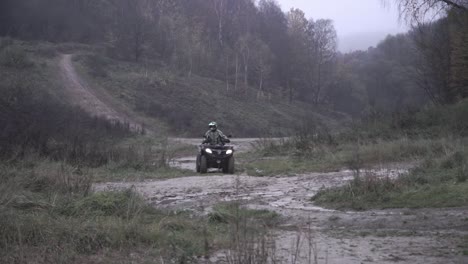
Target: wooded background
[{"x": 257, "y": 46}]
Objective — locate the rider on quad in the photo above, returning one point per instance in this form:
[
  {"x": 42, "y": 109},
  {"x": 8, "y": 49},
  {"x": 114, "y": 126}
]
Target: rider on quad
[
  {"x": 213, "y": 153},
  {"x": 214, "y": 136}
]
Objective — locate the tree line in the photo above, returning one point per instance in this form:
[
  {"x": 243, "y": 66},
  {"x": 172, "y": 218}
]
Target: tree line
[{"x": 255, "y": 45}]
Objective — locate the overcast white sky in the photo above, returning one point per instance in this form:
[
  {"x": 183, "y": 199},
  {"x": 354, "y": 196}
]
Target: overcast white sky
[{"x": 352, "y": 18}]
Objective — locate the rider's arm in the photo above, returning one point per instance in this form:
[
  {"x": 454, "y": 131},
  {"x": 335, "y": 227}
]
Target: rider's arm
[
  {"x": 223, "y": 137},
  {"x": 207, "y": 138},
  {"x": 221, "y": 134}
]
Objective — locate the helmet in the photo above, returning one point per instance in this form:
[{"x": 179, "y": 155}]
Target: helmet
[{"x": 213, "y": 126}]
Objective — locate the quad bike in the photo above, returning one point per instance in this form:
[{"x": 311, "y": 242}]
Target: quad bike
[{"x": 215, "y": 156}]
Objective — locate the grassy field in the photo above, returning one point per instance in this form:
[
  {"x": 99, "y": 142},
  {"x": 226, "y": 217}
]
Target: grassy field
[
  {"x": 49, "y": 207},
  {"x": 433, "y": 141},
  {"x": 291, "y": 157}
]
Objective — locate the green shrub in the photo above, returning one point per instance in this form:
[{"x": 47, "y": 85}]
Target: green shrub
[
  {"x": 15, "y": 57},
  {"x": 5, "y": 42},
  {"x": 96, "y": 65},
  {"x": 34, "y": 120},
  {"x": 460, "y": 120},
  {"x": 127, "y": 204},
  {"x": 457, "y": 159}
]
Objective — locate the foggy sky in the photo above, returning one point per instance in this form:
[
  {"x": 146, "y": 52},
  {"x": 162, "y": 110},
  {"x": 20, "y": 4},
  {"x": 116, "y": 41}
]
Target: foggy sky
[{"x": 359, "y": 23}]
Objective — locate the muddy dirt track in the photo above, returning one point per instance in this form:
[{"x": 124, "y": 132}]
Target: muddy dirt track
[
  {"x": 94, "y": 102},
  {"x": 377, "y": 236}
]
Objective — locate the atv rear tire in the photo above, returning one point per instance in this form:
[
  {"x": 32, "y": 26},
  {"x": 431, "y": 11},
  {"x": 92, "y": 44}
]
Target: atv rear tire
[
  {"x": 230, "y": 165},
  {"x": 203, "y": 165}
]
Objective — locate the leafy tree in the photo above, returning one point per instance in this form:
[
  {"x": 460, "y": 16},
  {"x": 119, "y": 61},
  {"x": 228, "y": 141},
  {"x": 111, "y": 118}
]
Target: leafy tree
[
  {"x": 273, "y": 30},
  {"x": 297, "y": 32},
  {"x": 131, "y": 24}
]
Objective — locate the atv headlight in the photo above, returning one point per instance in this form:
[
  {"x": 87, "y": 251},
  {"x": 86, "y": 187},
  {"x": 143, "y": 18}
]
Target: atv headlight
[
  {"x": 209, "y": 151},
  {"x": 229, "y": 152}
]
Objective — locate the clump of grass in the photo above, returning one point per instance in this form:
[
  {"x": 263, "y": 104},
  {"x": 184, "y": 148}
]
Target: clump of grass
[
  {"x": 250, "y": 240},
  {"x": 359, "y": 192},
  {"x": 126, "y": 204},
  {"x": 464, "y": 246},
  {"x": 247, "y": 232}
]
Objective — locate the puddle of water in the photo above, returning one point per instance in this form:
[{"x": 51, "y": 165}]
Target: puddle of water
[
  {"x": 185, "y": 163},
  {"x": 309, "y": 246}
]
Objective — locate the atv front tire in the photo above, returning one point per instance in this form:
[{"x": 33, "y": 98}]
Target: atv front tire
[
  {"x": 203, "y": 165},
  {"x": 197, "y": 163},
  {"x": 230, "y": 165}
]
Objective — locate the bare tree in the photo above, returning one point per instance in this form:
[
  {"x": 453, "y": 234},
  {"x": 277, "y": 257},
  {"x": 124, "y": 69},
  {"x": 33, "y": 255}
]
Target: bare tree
[
  {"x": 433, "y": 55},
  {"x": 458, "y": 31},
  {"x": 220, "y": 7},
  {"x": 262, "y": 61},
  {"x": 244, "y": 48},
  {"x": 416, "y": 11}
]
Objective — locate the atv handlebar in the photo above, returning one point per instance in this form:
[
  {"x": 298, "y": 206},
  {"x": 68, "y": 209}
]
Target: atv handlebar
[{"x": 223, "y": 141}]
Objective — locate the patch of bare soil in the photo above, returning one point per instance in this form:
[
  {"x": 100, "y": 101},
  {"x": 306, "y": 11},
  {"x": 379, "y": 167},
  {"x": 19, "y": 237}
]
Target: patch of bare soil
[
  {"x": 80, "y": 94},
  {"x": 310, "y": 234}
]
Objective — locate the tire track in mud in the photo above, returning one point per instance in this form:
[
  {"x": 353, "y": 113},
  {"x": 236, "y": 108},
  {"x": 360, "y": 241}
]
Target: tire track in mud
[{"x": 82, "y": 95}]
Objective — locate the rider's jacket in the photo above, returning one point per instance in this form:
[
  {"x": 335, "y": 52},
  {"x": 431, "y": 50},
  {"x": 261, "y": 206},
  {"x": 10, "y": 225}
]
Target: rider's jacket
[{"x": 215, "y": 137}]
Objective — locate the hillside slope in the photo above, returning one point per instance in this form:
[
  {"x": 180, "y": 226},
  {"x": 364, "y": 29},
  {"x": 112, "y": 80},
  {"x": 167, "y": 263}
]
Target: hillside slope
[
  {"x": 158, "y": 98},
  {"x": 188, "y": 104}
]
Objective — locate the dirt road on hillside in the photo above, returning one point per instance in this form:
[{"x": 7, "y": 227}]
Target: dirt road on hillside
[
  {"x": 82, "y": 95},
  {"x": 377, "y": 236}
]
